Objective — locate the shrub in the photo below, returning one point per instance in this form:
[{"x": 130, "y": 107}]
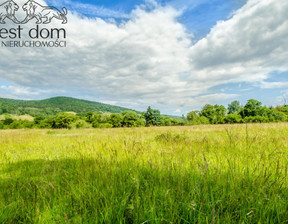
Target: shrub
[
  {"x": 105, "y": 125},
  {"x": 233, "y": 118}
]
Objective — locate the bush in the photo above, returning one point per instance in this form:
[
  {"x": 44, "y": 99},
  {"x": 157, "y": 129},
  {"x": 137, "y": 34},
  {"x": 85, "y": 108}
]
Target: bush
[
  {"x": 8, "y": 121},
  {"x": 15, "y": 125},
  {"x": 62, "y": 120},
  {"x": 204, "y": 120},
  {"x": 166, "y": 121},
  {"x": 233, "y": 118},
  {"x": 95, "y": 124},
  {"x": 130, "y": 118},
  {"x": 140, "y": 123},
  {"x": 256, "y": 119},
  {"x": 115, "y": 120},
  {"x": 105, "y": 125},
  {"x": 80, "y": 124},
  {"x": 44, "y": 124}
]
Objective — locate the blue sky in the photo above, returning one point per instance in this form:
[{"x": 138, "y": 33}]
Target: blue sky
[
  {"x": 175, "y": 55},
  {"x": 198, "y": 15}
]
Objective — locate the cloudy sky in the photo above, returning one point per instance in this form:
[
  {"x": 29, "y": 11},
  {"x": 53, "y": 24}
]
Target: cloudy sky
[{"x": 175, "y": 55}]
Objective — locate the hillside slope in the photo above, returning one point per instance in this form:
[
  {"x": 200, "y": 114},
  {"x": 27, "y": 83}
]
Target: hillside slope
[{"x": 54, "y": 105}]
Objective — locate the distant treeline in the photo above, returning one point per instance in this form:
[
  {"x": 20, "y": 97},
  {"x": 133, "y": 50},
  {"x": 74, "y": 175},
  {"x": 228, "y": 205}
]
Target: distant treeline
[
  {"x": 53, "y": 106},
  {"x": 251, "y": 112}
]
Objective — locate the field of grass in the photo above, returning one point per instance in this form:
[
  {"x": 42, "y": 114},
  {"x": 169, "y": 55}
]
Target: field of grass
[{"x": 198, "y": 174}]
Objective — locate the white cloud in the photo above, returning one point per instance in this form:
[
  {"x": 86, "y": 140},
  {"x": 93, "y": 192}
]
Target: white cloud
[
  {"x": 246, "y": 47},
  {"x": 178, "y": 111},
  {"x": 20, "y": 91},
  {"x": 150, "y": 59},
  {"x": 273, "y": 85}
]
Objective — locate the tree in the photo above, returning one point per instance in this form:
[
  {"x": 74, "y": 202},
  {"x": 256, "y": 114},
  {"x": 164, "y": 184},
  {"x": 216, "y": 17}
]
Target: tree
[
  {"x": 284, "y": 109},
  {"x": 234, "y": 107},
  {"x": 93, "y": 116},
  {"x": 165, "y": 121},
  {"x": 252, "y": 108},
  {"x": 115, "y": 120},
  {"x": 152, "y": 117},
  {"x": 273, "y": 115},
  {"x": 89, "y": 116},
  {"x": 130, "y": 118},
  {"x": 8, "y": 121},
  {"x": 38, "y": 120},
  {"x": 193, "y": 117},
  {"x": 62, "y": 120},
  {"x": 233, "y": 118},
  {"x": 215, "y": 113}
]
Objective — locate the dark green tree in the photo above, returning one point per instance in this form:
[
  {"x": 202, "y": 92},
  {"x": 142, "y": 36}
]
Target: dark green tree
[
  {"x": 165, "y": 121},
  {"x": 130, "y": 118},
  {"x": 215, "y": 113},
  {"x": 233, "y": 118},
  {"x": 8, "y": 121},
  {"x": 193, "y": 117},
  {"x": 234, "y": 107},
  {"x": 115, "y": 120},
  {"x": 152, "y": 117},
  {"x": 62, "y": 120},
  {"x": 89, "y": 116},
  {"x": 252, "y": 108}
]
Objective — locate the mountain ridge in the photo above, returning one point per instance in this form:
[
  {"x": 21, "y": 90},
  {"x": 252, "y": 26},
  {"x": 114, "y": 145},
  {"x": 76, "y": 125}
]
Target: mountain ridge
[{"x": 54, "y": 105}]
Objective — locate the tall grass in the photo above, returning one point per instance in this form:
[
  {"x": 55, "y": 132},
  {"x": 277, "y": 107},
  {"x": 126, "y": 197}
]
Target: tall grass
[{"x": 199, "y": 174}]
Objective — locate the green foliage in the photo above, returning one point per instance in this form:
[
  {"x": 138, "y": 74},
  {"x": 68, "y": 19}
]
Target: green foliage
[
  {"x": 90, "y": 117},
  {"x": 81, "y": 124},
  {"x": 252, "y": 112},
  {"x": 273, "y": 115},
  {"x": 152, "y": 117},
  {"x": 116, "y": 120},
  {"x": 166, "y": 121},
  {"x": 130, "y": 118},
  {"x": 53, "y": 106},
  {"x": 234, "y": 107},
  {"x": 204, "y": 120},
  {"x": 62, "y": 120},
  {"x": 194, "y": 118},
  {"x": 233, "y": 118},
  {"x": 95, "y": 124},
  {"x": 177, "y": 122},
  {"x": 252, "y": 108},
  {"x": 38, "y": 120},
  {"x": 284, "y": 109},
  {"x": 8, "y": 121},
  {"x": 215, "y": 113},
  {"x": 105, "y": 125},
  {"x": 256, "y": 119},
  {"x": 140, "y": 122},
  {"x": 46, "y": 123},
  {"x": 7, "y": 108}
]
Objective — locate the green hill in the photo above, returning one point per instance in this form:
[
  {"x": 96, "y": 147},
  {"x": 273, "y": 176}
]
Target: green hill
[{"x": 54, "y": 105}]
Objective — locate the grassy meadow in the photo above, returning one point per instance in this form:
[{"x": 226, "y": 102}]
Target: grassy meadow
[{"x": 196, "y": 174}]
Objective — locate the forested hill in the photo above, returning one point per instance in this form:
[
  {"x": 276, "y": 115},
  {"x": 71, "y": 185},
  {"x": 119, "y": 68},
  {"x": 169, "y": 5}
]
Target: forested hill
[{"x": 54, "y": 105}]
